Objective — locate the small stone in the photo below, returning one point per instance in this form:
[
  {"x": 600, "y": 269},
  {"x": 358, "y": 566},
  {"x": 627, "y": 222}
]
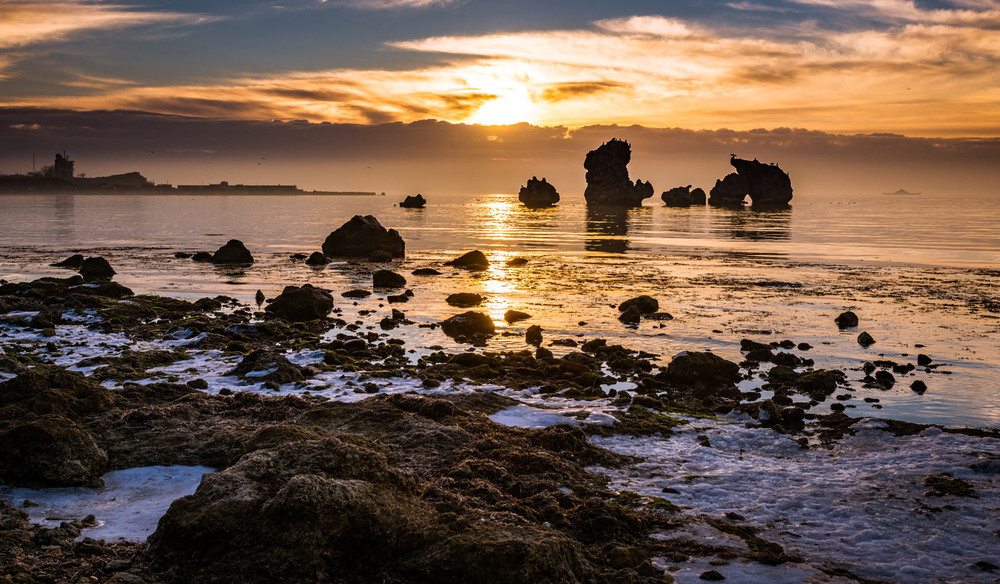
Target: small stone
[
  {"x": 259, "y": 297},
  {"x": 473, "y": 260},
  {"x": 846, "y": 320},
  {"x": 515, "y": 315},
  {"x": 923, "y": 360},
  {"x": 317, "y": 259},
  {"x": 631, "y": 315},
  {"x": 543, "y": 353},
  {"x": 865, "y": 339},
  {"x": 533, "y": 336},
  {"x": 712, "y": 575},
  {"x": 918, "y": 386},
  {"x": 645, "y": 304}
]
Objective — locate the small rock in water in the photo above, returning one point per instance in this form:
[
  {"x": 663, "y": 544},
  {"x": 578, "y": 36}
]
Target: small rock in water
[
  {"x": 846, "y": 320},
  {"x": 923, "y": 360},
  {"x": 865, "y": 339},
  {"x": 885, "y": 379},
  {"x": 425, "y": 272},
  {"x": 234, "y": 252},
  {"x": 301, "y": 304},
  {"x": 464, "y": 299},
  {"x": 468, "y": 324},
  {"x": 411, "y": 202},
  {"x": 388, "y": 279},
  {"x": 533, "y": 336},
  {"x": 259, "y": 297},
  {"x": 73, "y": 261},
  {"x": 515, "y": 315},
  {"x": 918, "y": 386},
  {"x": 202, "y": 256},
  {"x": 631, "y": 315},
  {"x": 645, "y": 304},
  {"x": 356, "y": 294},
  {"x": 361, "y": 237},
  {"x": 538, "y": 193},
  {"x": 317, "y": 259},
  {"x": 473, "y": 260},
  {"x": 517, "y": 262},
  {"x": 711, "y": 576}
]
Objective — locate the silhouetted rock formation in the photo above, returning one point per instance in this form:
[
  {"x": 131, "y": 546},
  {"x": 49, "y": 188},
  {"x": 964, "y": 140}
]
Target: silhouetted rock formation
[
  {"x": 683, "y": 197},
  {"x": 361, "y": 237},
  {"x": 317, "y": 259},
  {"x": 411, "y": 202},
  {"x": 234, "y": 252},
  {"x": 74, "y": 261},
  {"x": 473, "y": 260},
  {"x": 729, "y": 192},
  {"x": 608, "y": 182},
  {"x": 767, "y": 185},
  {"x": 538, "y": 193}
]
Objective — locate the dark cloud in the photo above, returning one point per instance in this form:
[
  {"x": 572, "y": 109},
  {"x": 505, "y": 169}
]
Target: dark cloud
[
  {"x": 561, "y": 91},
  {"x": 443, "y": 157}
]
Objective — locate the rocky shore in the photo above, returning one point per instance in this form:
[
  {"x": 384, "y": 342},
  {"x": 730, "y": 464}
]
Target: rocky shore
[{"x": 341, "y": 457}]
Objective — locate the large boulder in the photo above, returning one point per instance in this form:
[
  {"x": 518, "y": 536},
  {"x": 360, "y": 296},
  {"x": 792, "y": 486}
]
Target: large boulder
[
  {"x": 361, "y": 237},
  {"x": 468, "y": 324},
  {"x": 411, "y": 202},
  {"x": 301, "y": 304},
  {"x": 767, "y": 185},
  {"x": 307, "y": 511},
  {"x": 51, "y": 451},
  {"x": 96, "y": 268},
  {"x": 538, "y": 193},
  {"x": 683, "y": 197},
  {"x": 608, "y": 182},
  {"x": 234, "y": 252}
]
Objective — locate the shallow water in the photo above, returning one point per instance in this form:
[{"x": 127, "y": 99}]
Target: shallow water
[{"x": 917, "y": 270}]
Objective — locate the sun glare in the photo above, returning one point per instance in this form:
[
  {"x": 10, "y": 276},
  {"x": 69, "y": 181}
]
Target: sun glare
[{"x": 512, "y": 107}]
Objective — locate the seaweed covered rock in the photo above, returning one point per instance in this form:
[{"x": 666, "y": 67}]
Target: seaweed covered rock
[
  {"x": 411, "y": 202},
  {"x": 683, "y": 197},
  {"x": 51, "y": 451},
  {"x": 468, "y": 324},
  {"x": 96, "y": 268},
  {"x": 361, "y": 237},
  {"x": 52, "y": 391},
  {"x": 538, "y": 193},
  {"x": 299, "y": 304},
  {"x": 704, "y": 370},
  {"x": 234, "y": 252},
  {"x": 608, "y": 182},
  {"x": 473, "y": 260},
  {"x": 316, "y": 510},
  {"x": 266, "y": 365}
]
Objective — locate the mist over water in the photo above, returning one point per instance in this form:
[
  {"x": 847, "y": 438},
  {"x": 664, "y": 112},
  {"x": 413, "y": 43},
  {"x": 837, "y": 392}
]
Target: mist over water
[{"x": 919, "y": 270}]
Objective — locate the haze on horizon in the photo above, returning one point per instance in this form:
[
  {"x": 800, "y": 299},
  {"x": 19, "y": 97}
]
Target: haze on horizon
[{"x": 263, "y": 92}]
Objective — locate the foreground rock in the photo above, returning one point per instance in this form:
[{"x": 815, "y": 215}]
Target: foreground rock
[
  {"x": 363, "y": 236},
  {"x": 608, "y": 182},
  {"x": 767, "y": 185},
  {"x": 300, "y": 304},
  {"x": 411, "y": 202},
  {"x": 538, "y": 193},
  {"x": 388, "y": 279},
  {"x": 234, "y": 252},
  {"x": 52, "y": 451},
  {"x": 96, "y": 268},
  {"x": 846, "y": 320},
  {"x": 644, "y": 304},
  {"x": 683, "y": 197},
  {"x": 468, "y": 325}
]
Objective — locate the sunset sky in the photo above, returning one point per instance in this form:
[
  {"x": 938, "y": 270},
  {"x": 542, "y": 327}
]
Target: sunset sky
[{"x": 927, "y": 69}]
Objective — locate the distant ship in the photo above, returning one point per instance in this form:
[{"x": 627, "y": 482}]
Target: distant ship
[{"x": 901, "y": 192}]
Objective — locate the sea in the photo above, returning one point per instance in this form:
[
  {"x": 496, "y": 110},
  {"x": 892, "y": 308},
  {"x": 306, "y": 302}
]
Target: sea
[{"x": 922, "y": 272}]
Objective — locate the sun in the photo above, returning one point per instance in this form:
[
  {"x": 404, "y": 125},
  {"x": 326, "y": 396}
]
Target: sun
[{"x": 510, "y": 107}]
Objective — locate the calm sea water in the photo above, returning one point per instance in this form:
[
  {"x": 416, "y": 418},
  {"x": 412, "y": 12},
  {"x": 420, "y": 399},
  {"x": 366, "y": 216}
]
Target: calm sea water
[{"x": 919, "y": 270}]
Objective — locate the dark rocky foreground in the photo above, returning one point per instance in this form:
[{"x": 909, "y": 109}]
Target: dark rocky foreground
[{"x": 395, "y": 488}]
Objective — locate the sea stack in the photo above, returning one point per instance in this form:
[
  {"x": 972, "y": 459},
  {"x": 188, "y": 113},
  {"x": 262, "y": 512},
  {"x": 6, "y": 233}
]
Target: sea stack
[
  {"x": 608, "y": 182},
  {"x": 767, "y": 185},
  {"x": 683, "y": 197},
  {"x": 411, "y": 202},
  {"x": 538, "y": 193}
]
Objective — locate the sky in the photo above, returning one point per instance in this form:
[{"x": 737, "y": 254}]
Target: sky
[{"x": 926, "y": 70}]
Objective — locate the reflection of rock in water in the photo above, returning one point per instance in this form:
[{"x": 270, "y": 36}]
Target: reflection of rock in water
[
  {"x": 757, "y": 226},
  {"x": 606, "y": 228}
]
